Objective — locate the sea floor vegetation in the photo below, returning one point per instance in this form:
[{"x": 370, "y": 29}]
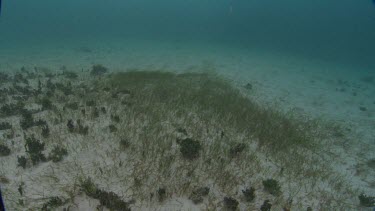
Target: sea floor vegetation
[{"x": 143, "y": 139}]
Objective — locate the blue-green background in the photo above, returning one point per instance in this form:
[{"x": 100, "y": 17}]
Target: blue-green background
[{"x": 331, "y": 30}]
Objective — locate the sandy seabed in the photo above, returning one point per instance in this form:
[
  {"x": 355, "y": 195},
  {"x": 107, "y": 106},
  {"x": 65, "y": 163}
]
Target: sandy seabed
[{"x": 317, "y": 89}]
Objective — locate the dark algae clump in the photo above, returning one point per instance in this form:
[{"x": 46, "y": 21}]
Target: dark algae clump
[
  {"x": 107, "y": 199},
  {"x": 34, "y": 149},
  {"x": 98, "y": 70},
  {"x": 162, "y": 194},
  {"x": 266, "y": 206},
  {"x": 272, "y": 186},
  {"x": 230, "y": 204},
  {"x": 249, "y": 194},
  {"x": 198, "y": 194},
  {"x": 366, "y": 201},
  {"x": 5, "y": 126},
  {"x": 4, "y": 150},
  {"x": 52, "y": 203},
  {"x": 22, "y": 161},
  {"x": 57, "y": 154},
  {"x": 189, "y": 148}
]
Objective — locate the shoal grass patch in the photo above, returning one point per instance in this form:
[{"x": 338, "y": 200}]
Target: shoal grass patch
[{"x": 214, "y": 96}]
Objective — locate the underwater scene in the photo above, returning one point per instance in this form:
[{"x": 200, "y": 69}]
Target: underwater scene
[{"x": 237, "y": 105}]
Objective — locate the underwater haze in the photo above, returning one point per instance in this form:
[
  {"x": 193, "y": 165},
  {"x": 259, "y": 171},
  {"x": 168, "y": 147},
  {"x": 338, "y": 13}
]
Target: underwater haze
[
  {"x": 338, "y": 31},
  {"x": 187, "y": 105}
]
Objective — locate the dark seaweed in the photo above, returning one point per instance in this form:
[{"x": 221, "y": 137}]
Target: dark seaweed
[
  {"x": 98, "y": 70},
  {"x": 73, "y": 105},
  {"x": 35, "y": 150},
  {"x": 57, "y": 154},
  {"x": 70, "y": 75},
  {"x": 4, "y": 150},
  {"x": 189, "y": 148},
  {"x": 272, "y": 186},
  {"x": 115, "y": 118},
  {"x": 230, "y": 203},
  {"x": 22, "y": 161},
  {"x": 198, "y": 194},
  {"x": 45, "y": 131},
  {"x": 112, "y": 128},
  {"x": 108, "y": 199},
  {"x": 46, "y": 103},
  {"x": 70, "y": 125},
  {"x": 366, "y": 201},
  {"x": 249, "y": 194},
  {"x": 52, "y": 204},
  {"x": 5, "y": 126},
  {"x": 162, "y": 194},
  {"x": 11, "y": 109},
  {"x": 266, "y": 206},
  {"x": 236, "y": 150}
]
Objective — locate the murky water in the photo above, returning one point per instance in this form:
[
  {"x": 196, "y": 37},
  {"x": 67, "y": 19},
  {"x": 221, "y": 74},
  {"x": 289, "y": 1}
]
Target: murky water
[{"x": 315, "y": 59}]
